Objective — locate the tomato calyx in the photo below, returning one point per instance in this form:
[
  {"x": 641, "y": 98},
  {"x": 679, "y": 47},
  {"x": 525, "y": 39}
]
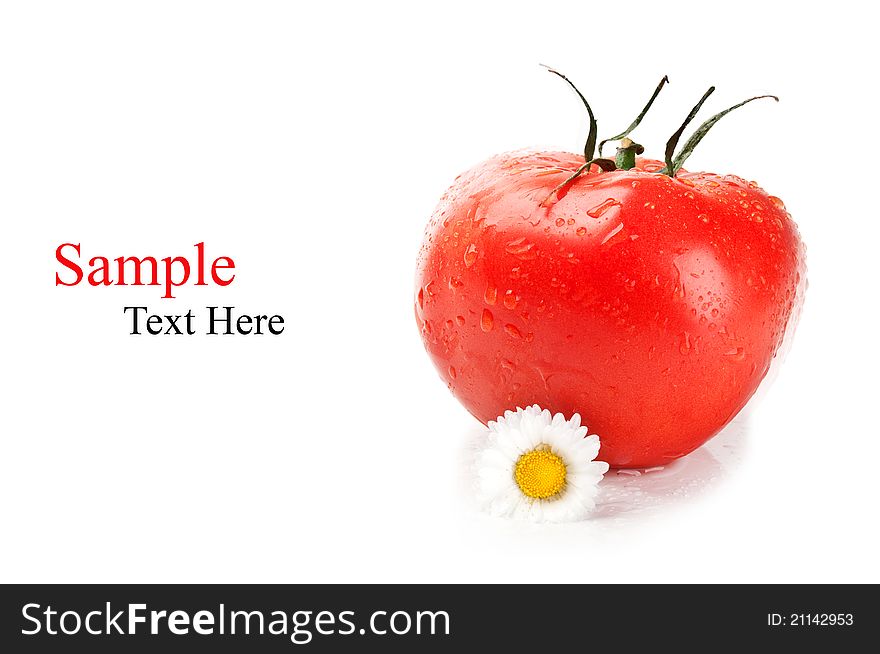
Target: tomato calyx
[
  {"x": 625, "y": 159},
  {"x": 590, "y": 147},
  {"x": 673, "y": 165},
  {"x": 625, "y": 133}
]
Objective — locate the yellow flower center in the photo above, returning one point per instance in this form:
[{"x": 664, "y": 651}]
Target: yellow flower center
[{"x": 540, "y": 474}]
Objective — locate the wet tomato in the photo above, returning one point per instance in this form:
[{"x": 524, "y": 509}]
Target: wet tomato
[{"x": 651, "y": 304}]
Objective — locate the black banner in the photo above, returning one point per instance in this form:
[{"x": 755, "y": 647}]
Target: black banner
[{"x": 427, "y": 618}]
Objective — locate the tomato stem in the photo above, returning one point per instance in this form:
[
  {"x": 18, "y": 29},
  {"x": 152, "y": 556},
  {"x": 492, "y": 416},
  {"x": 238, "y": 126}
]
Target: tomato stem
[
  {"x": 626, "y": 154},
  {"x": 590, "y": 146},
  {"x": 638, "y": 119}
]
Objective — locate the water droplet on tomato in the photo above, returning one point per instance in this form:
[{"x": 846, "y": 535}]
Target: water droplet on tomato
[
  {"x": 560, "y": 222},
  {"x": 512, "y": 330},
  {"x": 510, "y": 300},
  {"x": 736, "y": 353},
  {"x": 460, "y": 320},
  {"x": 490, "y": 295},
  {"x": 777, "y": 202},
  {"x": 521, "y": 249},
  {"x": 452, "y": 372},
  {"x": 470, "y": 255},
  {"x": 602, "y": 207},
  {"x": 614, "y": 232},
  {"x": 581, "y": 231},
  {"x": 487, "y": 321},
  {"x": 421, "y": 299},
  {"x": 686, "y": 344}
]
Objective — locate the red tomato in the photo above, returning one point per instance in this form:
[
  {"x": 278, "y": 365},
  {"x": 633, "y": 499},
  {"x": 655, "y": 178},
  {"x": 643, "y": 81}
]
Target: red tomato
[{"x": 651, "y": 305}]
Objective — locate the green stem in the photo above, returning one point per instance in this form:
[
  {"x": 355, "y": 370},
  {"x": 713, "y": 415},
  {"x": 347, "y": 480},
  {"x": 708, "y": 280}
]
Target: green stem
[{"x": 626, "y": 154}]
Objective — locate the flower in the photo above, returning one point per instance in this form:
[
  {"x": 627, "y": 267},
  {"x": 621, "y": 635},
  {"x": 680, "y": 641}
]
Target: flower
[{"x": 539, "y": 467}]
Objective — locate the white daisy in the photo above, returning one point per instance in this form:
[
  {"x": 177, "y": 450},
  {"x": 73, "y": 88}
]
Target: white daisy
[{"x": 539, "y": 467}]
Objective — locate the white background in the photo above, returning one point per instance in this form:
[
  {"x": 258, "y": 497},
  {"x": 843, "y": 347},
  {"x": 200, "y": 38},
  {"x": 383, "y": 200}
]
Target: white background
[{"x": 310, "y": 142}]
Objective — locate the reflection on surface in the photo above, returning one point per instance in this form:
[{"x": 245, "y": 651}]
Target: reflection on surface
[{"x": 629, "y": 492}]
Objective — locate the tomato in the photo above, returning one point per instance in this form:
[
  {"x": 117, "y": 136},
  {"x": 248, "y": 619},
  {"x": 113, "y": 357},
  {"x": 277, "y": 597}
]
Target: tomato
[{"x": 651, "y": 304}]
